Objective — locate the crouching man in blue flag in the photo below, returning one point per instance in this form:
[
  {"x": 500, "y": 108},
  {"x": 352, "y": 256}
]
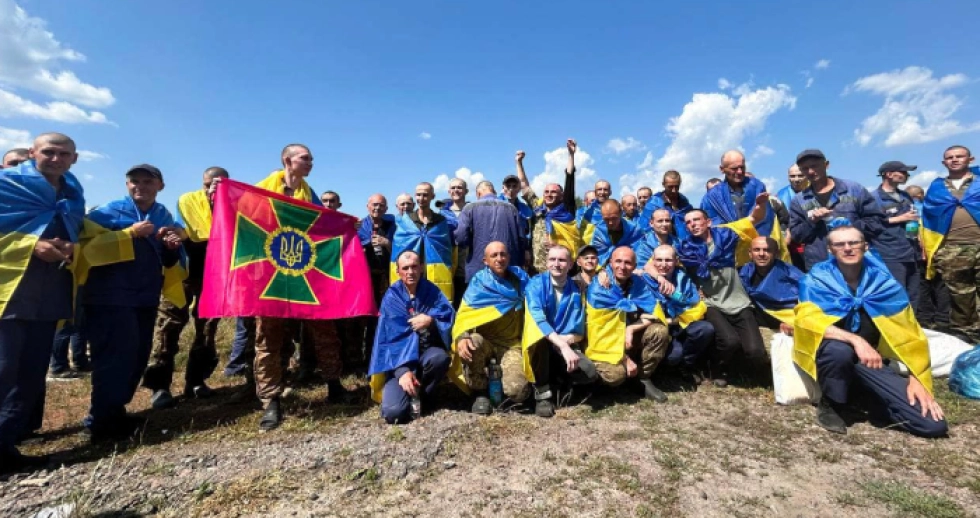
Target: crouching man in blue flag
[
  {"x": 554, "y": 325},
  {"x": 131, "y": 253},
  {"x": 40, "y": 222},
  {"x": 409, "y": 357},
  {"x": 855, "y": 331},
  {"x": 488, "y": 326}
]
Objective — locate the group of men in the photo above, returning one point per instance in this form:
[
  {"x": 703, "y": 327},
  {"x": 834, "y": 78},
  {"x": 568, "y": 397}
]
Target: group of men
[{"x": 535, "y": 291}]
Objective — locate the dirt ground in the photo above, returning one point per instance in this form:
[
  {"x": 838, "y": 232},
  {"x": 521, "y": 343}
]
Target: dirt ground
[{"x": 707, "y": 452}]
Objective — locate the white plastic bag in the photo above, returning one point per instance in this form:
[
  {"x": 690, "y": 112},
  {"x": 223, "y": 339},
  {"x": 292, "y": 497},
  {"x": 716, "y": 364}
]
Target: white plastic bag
[
  {"x": 943, "y": 351},
  {"x": 790, "y": 385}
]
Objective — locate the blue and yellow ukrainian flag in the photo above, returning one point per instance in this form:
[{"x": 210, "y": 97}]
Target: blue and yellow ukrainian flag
[
  {"x": 435, "y": 245},
  {"x": 826, "y": 299},
  {"x": 487, "y": 298},
  {"x": 107, "y": 239},
  {"x": 586, "y": 219},
  {"x": 561, "y": 227},
  {"x": 721, "y": 209},
  {"x": 30, "y": 205},
  {"x": 544, "y": 314},
  {"x": 937, "y": 215},
  {"x": 684, "y": 306},
  {"x": 779, "y": 291},
  {"x": 194, "y": 215},
  {"x": 602, "y": 240},
  {"x": 395, "y": 343},
  {"x": 606, "y": 310}
]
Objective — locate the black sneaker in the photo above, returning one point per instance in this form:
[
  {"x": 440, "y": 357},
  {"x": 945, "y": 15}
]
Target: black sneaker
[
  {"x": 16, "y": 462},
  {"x": 272, "y": 417},
  {"x": 65, "y": 375},
  {"x": 650, "y": 391},
  {"x": 828, "y": 418},
  {"x": 201, "y": 391},
  {"x": 162, "y": 399}
]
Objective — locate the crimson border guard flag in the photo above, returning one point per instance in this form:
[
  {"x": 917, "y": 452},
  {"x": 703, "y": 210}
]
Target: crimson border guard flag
[{"x": 273, "y": 256}]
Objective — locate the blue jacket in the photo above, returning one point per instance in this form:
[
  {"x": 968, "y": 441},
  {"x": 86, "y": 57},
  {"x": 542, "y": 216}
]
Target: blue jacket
[
  {"x": 484, "y": 221},
  {"x": 849, "y": 201},
  {"x": 893, "y": 244}
]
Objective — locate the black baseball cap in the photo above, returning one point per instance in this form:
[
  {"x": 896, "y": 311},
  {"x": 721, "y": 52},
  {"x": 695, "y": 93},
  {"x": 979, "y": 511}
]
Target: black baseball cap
[
  {"x": 146, "y": 168},
  {"x": 810, "y": 153},
  {"x": 895, "y": 165},
  {"x": 511, "y": 177},
  {"x": 588, "y": 248}
]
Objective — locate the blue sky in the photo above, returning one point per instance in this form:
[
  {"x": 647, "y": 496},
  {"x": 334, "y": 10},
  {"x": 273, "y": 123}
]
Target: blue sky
[{"x": 642, "y": 86}]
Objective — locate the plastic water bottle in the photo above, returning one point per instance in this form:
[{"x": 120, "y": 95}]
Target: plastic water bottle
[
  {"x": 495, "y": 384},
  {"x": 912, "y": 229},
  {"x": 378, "y": 251},
  {"x": 677, "y": 296},
  {"x": 416, "y": 407},
  {"x": 424, "y": 332}
]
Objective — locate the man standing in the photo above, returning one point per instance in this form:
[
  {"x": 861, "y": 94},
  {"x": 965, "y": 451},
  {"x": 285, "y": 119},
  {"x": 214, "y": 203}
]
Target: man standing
[
  {"x": 670, "y": 199},
  {"x": 643, "y": 195},
  {"x": 589, "y": 213},
  {"x": 426, "y": 233},
  {"x": 662, "y": 233},
  {"x": 194, "y": 215},
  {"x": 854, "y": 328},
  {"x": 405, "y": 204},
  {"x": 772, "y": 285},
  {"x": 15, "y": 157},
  {"x": 510, "y": 188},
  {"x": 409, "y": 356},
  {"x": 554, "y": 326},
  {"x": 612, "y": 232},
  {"x": 488, "y": 326},
  {"x": 376, "y": 233},
  {"x": 630, "y": 211},
  {"x": 331, "y": 200},
  {"x": 797, "y": 182},
  {"x": 932, "y": 311},
  {"x": 826, "y": 203},
  {"x": 951, "y": 238},
  {"x": 622, "y": 328},
  {"x": 900, "y": 232},
  {"x": 38, "y": 233},
  {"x": 487, "y": 220},
  {"x": 734, "y": 199},
  {"x": 122, "y": 294},
  {"x": 553, "y": 222},
  {"x": 271, "y": 333},
  {"x": 451, "y": 209}
]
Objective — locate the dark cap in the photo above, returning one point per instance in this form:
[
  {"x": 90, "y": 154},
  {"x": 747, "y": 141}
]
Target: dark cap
[
  {"x": 895, "y": 165},
  {"x": 587, "y": 248},
  {"x": 810, "y": 153},
  {"x": 511, "y": 177},
  {"x": 147, "y": 168}
]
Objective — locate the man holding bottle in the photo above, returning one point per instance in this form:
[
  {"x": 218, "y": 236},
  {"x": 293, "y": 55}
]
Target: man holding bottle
[{"x": 898, "y": 242}]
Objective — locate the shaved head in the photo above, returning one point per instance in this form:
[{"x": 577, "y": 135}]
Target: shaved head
[{"x": 56, "y": 139}]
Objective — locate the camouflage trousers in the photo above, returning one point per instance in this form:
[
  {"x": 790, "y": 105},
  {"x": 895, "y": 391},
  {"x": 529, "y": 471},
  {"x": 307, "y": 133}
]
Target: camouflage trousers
[
  {"x": 649, "y": 348},
  {"x": 959, "y": 266},
  {"x": 271, "y": 335},
  {"x": 202, "y": 358},
  {"x": 511, "y": 361}
]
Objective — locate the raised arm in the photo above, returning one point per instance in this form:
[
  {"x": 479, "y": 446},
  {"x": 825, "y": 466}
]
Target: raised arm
[
  {"x": 568, "y": 196},
  {"x": 519, "y": 162}
]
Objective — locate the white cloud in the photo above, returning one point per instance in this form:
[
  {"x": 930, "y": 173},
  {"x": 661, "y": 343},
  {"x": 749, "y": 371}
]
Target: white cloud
[
  {"x": 88, "y": 177},
  {"x": 425, "y": 135},
  {"x": 12, "y": 105},
  {"x": 441, "y": 183},
  {"x": 724, "y": 84},
  {"x": 918, "y": 107},
  {"x": 809, "y": 81},
  {"x": 31, "y": 58},
  {"x": 555, "y": 162},
  {"x": 771, "y": 183},
  {"x": 620, "y": 146},
  {"x": 762, "y": 150},
  {"x": 923, "y": 178},
  {"x": 709, "y": 125},
  {"x": 89, "y": 156},
  {"x": 13, "y": 138},
  {"x": 822, "y": 64}
]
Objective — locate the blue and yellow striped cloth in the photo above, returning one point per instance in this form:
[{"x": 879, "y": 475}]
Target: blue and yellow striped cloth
[
  {"x": 938, "y": 208},
  {"x": 684, "y": 306},
  {"x": 606, "y": 310},
  {"x": 779, "y": 291},
  {"x": 434, "y": 244},
  {"x": 717, "y": 202},
  {"x": 545, "y": 314}
]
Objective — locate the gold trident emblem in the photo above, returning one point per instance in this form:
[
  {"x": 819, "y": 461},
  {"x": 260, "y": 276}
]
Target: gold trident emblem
[{"x": 291, "y": 250}]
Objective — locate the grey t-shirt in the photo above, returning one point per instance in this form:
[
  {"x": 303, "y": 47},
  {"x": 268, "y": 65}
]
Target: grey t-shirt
[{"x": 723, "y": 289}]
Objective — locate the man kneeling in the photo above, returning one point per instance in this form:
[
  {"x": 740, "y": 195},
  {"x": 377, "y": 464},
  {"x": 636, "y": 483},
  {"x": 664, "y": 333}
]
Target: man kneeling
[
  {"x": 622, "y": 328},
  {"x": 409, "y": 356},
  {"x": 553, "y": 325},
  {"x": 854, "y": 329}
]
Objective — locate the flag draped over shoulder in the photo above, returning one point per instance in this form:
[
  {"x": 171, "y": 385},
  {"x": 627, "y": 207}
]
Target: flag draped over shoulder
[
  {"x": 275, "y": 256},
  {"x": 717, "y": 202},
  {"x": 276, "y": 182},
  {"x": 684, "y": 306},
  {"x": 606, "y": 310},
  {"x": 561, "y": 227},
  {"x": 825, "y": 299},
  {"x": 586, "y": 219},
  {"x": 545, "y": 314},
  {"x": 645, "y": 247},
  {"x": 779, "y": 291},
  {"x": 434, "y": 245},
  {"x": 693, "y": 252},
  {"x": 194, "y": 215},
  {"x": 657, "y": 201},
  {"x": 602, "y": 240},
  {"x": 395, "y": 343},
  {"x": 30, "y": 205},
  {"x": 939, "y": 206},
  {"x": 487, "y": 298},
  {"x": 107, "y": 239},
  {"x": 366, "y": 230}
]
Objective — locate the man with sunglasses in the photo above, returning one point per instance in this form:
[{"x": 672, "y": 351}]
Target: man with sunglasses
[{"x": 829, "y": 202}]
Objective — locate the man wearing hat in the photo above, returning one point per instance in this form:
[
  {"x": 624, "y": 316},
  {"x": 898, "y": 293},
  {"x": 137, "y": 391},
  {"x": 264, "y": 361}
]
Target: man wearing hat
[
  {"x": 898, "y": 242},
  {"x": 132, "y": 241},
  {"x": 827, "y": 203}
]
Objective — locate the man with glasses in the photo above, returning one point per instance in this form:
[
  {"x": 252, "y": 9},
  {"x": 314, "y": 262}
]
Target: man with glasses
[
  {"x": 854, "y": 332},
  {"x": 826, "y": 203}
]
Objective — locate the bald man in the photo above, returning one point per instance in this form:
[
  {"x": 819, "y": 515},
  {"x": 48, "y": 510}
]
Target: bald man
[
  {"x": 671, "y": 200},
  {"x": 37, "y": 289},
  {"x": 404, "y": 203},
  {"x": 376, "y": 233},
  {"x": 194, "y": 214},
  {"x": 15, "y": 157},
  {"x": 630, "y": 207},
  {"x": 590, "y": 211},
  {"x": 613, "y": 231}
]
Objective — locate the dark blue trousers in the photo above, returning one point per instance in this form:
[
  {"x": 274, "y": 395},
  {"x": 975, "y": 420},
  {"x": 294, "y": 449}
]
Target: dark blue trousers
[
  {"x": 25, "y": 348},
  {"x": 907, "y": 274},
  {"x": 839, "y": 371},
  {"x": 396, "y": 404},
  {"x": 688, "y": 345},
  {"x": 121, "y": 339},
  {"x": 242, "y": 348}
]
